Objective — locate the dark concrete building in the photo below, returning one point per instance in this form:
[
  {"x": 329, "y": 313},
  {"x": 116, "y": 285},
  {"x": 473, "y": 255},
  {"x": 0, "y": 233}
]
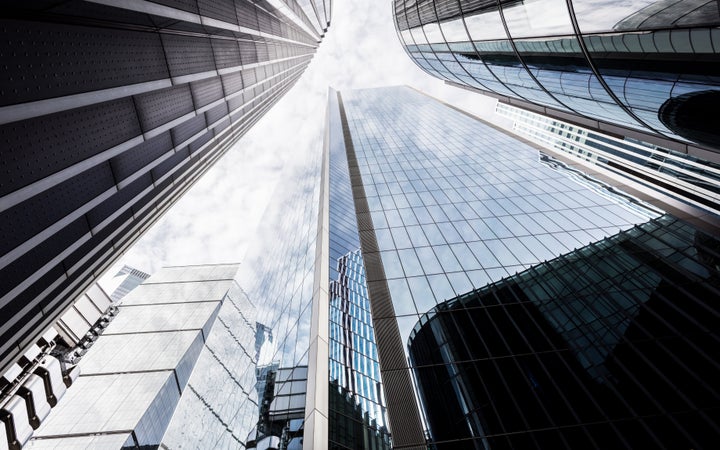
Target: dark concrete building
[
  {"x": 109, "y": 112},
  {"x": 439, "y": 203}
]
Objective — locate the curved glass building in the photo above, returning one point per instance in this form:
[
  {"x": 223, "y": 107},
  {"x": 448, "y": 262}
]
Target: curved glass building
[
  {"x": 643, "y": 65},
  {"x": 608, "y": 346}
]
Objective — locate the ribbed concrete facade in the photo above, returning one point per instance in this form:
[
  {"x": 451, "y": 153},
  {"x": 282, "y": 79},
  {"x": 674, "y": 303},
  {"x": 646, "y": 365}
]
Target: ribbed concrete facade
[{"x": 108, "y": 114}]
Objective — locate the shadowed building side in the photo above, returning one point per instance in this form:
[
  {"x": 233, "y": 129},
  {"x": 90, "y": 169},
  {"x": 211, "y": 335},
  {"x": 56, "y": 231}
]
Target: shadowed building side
[
  {"x": 609, "y": 346},
  {"x": 108, "y": 115}
]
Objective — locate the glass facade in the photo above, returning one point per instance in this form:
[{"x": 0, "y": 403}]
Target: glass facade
[
  {"x": 353, "y": 353},
  {"x": 612, "y": 345},
  {"x": 669, "y": 173},
  {"x": 642, "y": 64},
  {"x": 109, "y": 113},
  {"x": 445, "y": 204},
  {"x": 356, "y": 399},
  {"x": 279, "y": 274}
]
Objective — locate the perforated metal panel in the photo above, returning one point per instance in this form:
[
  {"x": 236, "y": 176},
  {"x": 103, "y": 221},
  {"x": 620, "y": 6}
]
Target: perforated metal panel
[
  {"x": 148, "y": 198},
  {"x": 35, "y": 148},
  {"x": 184, "y": 166},
  {"x": 27, "y": 264},
  {"x": 199, "y": 142},
  {"x": 218, "y": 9},
  {"x": 130, "y": 161},
  {"x": 34, "y": 215},
  {"x": 49, "y": 60},
  {"x": 93, "y": 244},
  {"x": 247, "y": 14},
  {"x": 185, "y": 5},
  {"x": 16, "y": 324},
  {"x": 167, "y": 165},
  {"x": 235, "y": 103},
  {"x": 216, "y": 113},
  {"x": 227, "y": 53},
  {"x": 160, "y": 107},
  {"x": 232, "y": 82},
  {"x": 248, "y": 54},
  {"x": 249, "y": 77},
  {"x": 188, "y": 54},
  {"x": 260, "y": 72},
  {"x": 118, "y": 200},
  {"x": 265, "y": 21},
  {"x": 188, "y": 129},
  {"x": 222, "y": 125},
  {"x": 206, "y": 91},
  {"x": 102, "y": 13}
]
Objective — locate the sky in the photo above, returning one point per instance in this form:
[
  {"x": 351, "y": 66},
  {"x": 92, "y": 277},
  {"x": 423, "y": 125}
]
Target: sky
[{"x": 218, "y": 218}]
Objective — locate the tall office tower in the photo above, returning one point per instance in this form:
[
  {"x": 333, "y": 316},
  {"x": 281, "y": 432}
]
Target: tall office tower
[
  {"x": 354, "y": 368},
  {"x": 612, "y": 345},
  {"x": 686, "y": 186},
  {"x": 109, "y": 112},
  {"x": 251, "y": 384},
  {"x": 445, "y": 203},
  {"x": 127, "y": 279},
  {"x": 133, "y": 377},
  {"x": 643, "y": 68}
]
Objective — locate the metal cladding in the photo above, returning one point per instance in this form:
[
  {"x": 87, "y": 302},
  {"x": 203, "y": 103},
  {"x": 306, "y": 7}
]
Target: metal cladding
[
  {"x": 645, "y": 66},
  {"x": 108, "y": 114}
]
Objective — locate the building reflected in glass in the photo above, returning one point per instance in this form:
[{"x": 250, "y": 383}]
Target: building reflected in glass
[
  {"x": 445, "y": 203},
  {"x": 641, "y": 65},
  {"x": 612, "y": 345},
  {"x": 356, "y": 398},
  {"x": 687, "y": 186}
]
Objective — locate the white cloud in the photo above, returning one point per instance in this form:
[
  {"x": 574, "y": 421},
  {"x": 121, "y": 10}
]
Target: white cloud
[{"x": 218, "y": 218}]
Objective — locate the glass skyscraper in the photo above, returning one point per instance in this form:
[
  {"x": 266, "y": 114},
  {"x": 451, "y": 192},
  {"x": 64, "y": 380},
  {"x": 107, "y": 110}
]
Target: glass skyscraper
[
  {"x": 688, "y": 187},
  {"x": 444, "y": 204},
  {"x": 644, "y": 66},
  {"x": 281, "y": 276},
  {"x": 354, "y": 368},
  {"x": 109, "y": 112},
  {"x": 613, "y": 345}
]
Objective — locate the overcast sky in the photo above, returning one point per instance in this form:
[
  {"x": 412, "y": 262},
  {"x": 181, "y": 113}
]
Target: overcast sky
[{"x": 216, "y": 220}]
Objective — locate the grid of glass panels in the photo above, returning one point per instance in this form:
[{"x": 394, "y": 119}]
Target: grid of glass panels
[
  {"x": 642, "y": 64},
  {"x": 353, "y": 353},
  {"x": 610, "y": 346},
  {"x": 456, "y": 204},
  {"x": 681, "y": 176},
  {"x": 353, "y": 363},
  {"x": 278, "y": 272}
]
